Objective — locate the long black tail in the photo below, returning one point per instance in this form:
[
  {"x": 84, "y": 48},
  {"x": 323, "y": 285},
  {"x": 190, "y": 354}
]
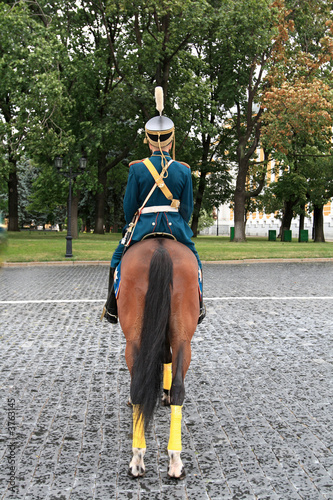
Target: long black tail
[{"x": 147, "y": 369}]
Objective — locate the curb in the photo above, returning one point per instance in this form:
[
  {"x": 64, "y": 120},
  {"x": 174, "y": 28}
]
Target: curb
[
  {"x": 57, "y": 263},
  {"x": 269, "y": 261},
  {"x": 107, "y": 262}
]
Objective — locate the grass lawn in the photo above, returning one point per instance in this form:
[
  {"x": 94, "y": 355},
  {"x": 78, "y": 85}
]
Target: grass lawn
[{"x": 38, "y": 246}]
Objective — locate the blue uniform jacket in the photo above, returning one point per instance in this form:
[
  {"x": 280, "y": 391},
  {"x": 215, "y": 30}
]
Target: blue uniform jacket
[{"x": 179, "y": 182}]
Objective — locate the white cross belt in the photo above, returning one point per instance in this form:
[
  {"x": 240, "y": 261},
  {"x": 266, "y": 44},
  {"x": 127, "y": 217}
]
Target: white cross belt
[{"x": 160, "y": 208}]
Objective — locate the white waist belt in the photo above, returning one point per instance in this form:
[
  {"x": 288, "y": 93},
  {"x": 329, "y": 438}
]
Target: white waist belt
[{"x": 161, "y": 208}]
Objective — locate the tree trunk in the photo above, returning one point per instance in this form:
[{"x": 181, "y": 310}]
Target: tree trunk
[
  {"x": 13, "y": 224},
  {"x": 239, "y": 211},
  {"x": 198, "y": 203},
  {"x": 240, "y": 196},
  {"x": 74, "y": 215},
  {"x": 287, "y": 217},
  {"x": 117, "y": 219},
  {"x": 100, "y": 198},
  {"x": 202, "y": 182},
  {"x": 301, "y": 226},
  {"x": 318, "y": 224}
]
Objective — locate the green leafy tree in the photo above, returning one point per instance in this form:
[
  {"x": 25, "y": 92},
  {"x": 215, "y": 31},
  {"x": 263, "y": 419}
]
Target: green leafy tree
[
  {"x": 117, "y": 53},
  {"x": 158, "y": 43},
  {"x": 208, "y": 135},
  {"x": 299, "y": 107},
  {"x": 240, "y": 52},
  {"x": 27, "y": 174},
  {"x": 48, "y": 196},
  {"x": 117, "y": 181},
  {"x": 30, "y": 92},
  {"x": 318, "y": 169}
]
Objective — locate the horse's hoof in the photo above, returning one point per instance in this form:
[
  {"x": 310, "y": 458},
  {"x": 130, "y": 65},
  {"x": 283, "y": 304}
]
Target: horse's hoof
[
  {"x": 137, "y": 466},
  {"x": 165, "y": 401},
  {"x": 139, "y": 472},
  {"x": 176, "y": 468},
  {"x": 180, "y": 477}
]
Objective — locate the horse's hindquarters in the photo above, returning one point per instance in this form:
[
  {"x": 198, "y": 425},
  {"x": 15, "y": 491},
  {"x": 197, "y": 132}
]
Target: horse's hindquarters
[{"x": 158, "y": 306}]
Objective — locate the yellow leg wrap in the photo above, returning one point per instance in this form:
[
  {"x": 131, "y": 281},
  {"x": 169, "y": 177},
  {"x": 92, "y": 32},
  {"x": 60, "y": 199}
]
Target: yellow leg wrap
[
  {"x": 175, "y": 440},
  {"x": 167, "y": 376},
  {"x": 138, "y": 429}
]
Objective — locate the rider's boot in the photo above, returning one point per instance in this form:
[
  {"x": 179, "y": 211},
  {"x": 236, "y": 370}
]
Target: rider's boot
[{"x": 110, "y": 311}]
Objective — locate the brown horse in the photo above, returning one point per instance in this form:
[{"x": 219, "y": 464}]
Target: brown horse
[{"x": 158, "y": 308}]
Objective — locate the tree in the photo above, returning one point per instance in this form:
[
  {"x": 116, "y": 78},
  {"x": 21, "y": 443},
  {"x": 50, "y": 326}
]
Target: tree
[
  {"x": 27, "y": 173},
  {"x": 299, "y": 105},
  {"x": 208, "y": 129},
  {"x": 319, "y": 171},
  {"x": 158, "y": 39},
  {"x": 48, "y": 196},
  {"x": 107, "y": 61},
  {"x": 116, "y": 53},
  {"x": 241, "y": 53},
  {"x": 30, "y": 92}
]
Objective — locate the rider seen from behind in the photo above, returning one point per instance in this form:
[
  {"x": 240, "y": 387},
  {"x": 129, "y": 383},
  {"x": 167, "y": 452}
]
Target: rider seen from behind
[{"x": 158, "y": 201}]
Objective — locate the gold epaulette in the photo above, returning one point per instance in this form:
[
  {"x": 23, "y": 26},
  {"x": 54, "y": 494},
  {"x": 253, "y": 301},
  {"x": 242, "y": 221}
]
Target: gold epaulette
[
  {"x": 135, "y": 161},
  {"x": 185, "y": 164}
]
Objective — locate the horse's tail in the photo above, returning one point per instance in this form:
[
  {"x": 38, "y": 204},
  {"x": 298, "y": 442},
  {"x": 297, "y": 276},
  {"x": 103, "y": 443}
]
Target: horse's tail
[{"x": 147, "y": 369}]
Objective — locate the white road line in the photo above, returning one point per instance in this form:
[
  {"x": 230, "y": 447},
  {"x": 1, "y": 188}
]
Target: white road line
[
  {"x": 206, "y": 299},
  {"x": 51, "y": 301},
  {"x": 269, "y": 298}
]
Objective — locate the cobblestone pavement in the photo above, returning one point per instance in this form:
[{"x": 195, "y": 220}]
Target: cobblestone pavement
[{"x": 258, "y": 408}]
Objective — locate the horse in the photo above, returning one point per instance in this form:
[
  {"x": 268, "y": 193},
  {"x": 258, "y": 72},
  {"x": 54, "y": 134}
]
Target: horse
[{"x": 158, "y": 310}]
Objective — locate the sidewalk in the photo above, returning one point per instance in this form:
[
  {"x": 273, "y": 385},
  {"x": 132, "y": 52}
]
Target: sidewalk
[{"x": 258, "y": 407}]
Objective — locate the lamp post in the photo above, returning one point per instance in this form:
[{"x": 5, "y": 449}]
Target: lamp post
[{"x": 58, "y": 162}]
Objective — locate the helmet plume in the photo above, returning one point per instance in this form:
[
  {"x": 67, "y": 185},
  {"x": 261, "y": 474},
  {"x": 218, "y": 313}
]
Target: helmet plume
[{"x": 159, "y": 99}]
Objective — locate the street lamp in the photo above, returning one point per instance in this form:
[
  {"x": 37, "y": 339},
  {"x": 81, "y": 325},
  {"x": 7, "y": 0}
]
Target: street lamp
[{"x": 58, "y": 163}]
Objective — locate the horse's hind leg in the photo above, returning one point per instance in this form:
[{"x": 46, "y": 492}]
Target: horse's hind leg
[
  {"x": 182, "y": 359},
  {"x": 167, "y": 374},
  {"x": 176, "y": 468},
  {"x": 137, "y": 466}
]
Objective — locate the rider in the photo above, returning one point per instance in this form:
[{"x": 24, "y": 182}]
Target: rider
[{"x": 147, "y": 202}]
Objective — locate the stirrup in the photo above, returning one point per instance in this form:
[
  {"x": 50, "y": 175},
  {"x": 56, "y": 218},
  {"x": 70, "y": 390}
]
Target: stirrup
[
  {"x": 202, "y": 314},
  {"x": 111, "y": 318}
]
